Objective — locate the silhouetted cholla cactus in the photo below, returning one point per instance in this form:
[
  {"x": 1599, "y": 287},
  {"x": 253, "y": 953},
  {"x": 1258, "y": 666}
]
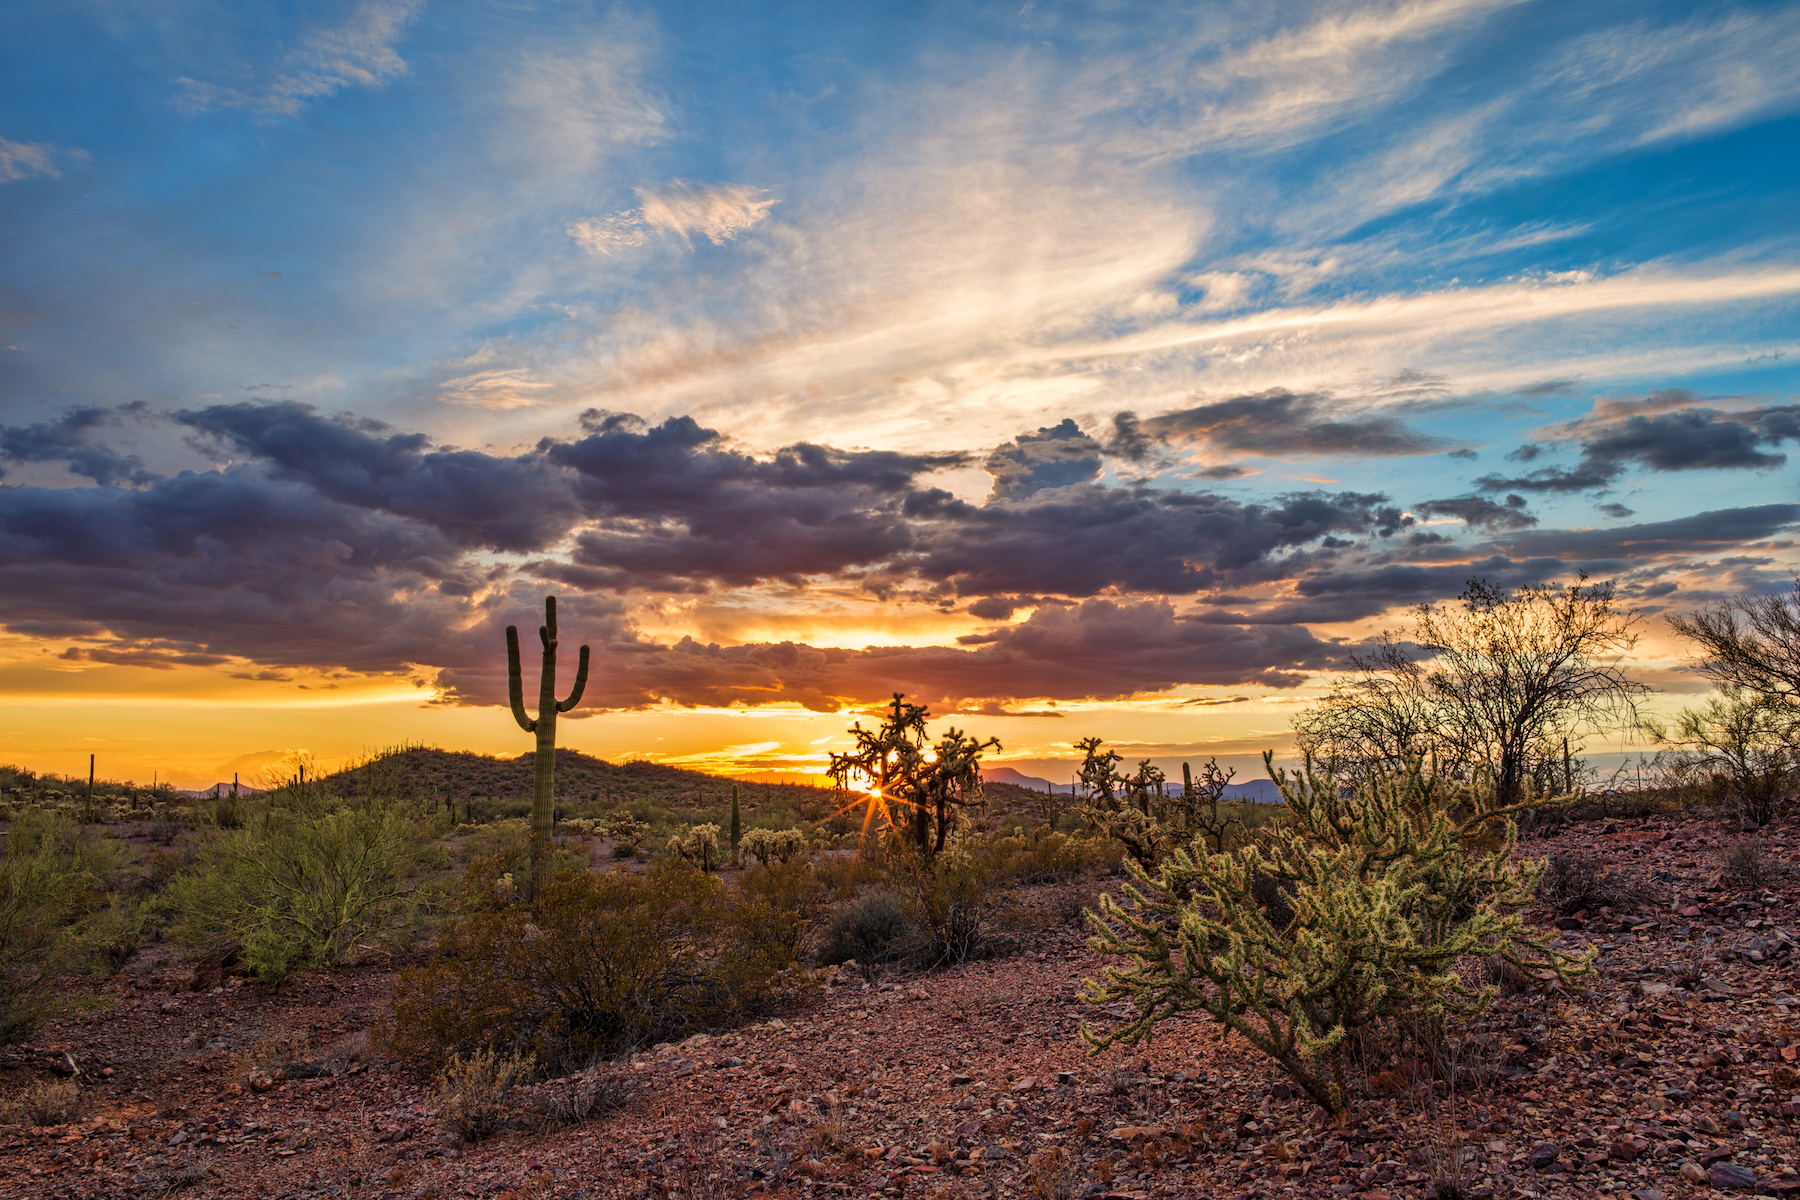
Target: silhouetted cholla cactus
[
  {"x": 625, "y": 830},
  {"x": 542, "y": 798},
  {"x": 775, "y": 845},
  {"x": 1139, "y": 809},
  {"x": 699, "y": 845}
]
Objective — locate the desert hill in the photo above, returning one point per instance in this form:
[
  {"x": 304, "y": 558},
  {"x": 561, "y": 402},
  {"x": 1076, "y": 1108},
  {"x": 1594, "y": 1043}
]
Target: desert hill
[{"x": 581, "y": 780}]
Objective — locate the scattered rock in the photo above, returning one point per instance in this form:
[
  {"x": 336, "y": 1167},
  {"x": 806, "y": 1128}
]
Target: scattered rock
[
  {"x": 1544, "y": 1154},
  {"x": 1731, "y": 1175}
]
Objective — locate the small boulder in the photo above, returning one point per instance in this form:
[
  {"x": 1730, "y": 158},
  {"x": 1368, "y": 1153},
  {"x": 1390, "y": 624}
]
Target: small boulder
[
  {"x": 1544, "y": 1154},
  {"x": 1731, "y": 1175}
]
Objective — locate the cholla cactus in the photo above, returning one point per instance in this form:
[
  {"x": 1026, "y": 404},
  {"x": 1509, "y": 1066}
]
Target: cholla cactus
[
  {"x": 699, "y": 845},
  {"x": 1142, "y": 812},
  {"x": 625, "y": 830},
  {"x": 1387, "y": 887},
  {"x": 775, "y": 845}
]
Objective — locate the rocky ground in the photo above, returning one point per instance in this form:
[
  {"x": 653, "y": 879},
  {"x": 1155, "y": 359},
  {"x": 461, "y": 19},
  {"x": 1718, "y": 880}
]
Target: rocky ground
[{"x": 1669, "y": 1073}]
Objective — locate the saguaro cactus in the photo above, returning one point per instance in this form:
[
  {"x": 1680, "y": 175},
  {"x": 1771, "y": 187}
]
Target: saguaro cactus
[{"x": 542, "y": 792}]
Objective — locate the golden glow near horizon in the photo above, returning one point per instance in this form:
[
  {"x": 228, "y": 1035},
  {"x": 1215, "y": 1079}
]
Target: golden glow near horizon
[{"x": 195, "y": 726}]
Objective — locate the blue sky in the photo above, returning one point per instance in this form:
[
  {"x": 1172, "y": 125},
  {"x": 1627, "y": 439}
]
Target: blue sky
[{"x": 1524, "y": 274}]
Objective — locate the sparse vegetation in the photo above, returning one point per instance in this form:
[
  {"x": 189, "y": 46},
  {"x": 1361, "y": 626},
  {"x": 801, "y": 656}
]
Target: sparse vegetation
[
  {"x": 472, "y": 1091},
  {"x": 612, "y": 961},
  {"x": 874, "y": 929},
  {"x": 1748, "y": 864},
  {"x": 1574, "y": 883}
]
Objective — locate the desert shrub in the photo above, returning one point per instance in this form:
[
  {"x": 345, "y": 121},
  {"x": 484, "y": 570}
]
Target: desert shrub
[
  {"x": 226, "y": 812},
  {"x": 1747, "y": 864},
  {"x": 774, "y": 911},
  {"x": 163, "y": 830},
  {"x": 873, "y": 929},
  {"x": 1393, "y": 883},
  {"x": 607, "y": 962},
  {"x": 955, "y": 897},
  {"x": 51, "y": 875},
  {"x": 598, "y": 1091},
  {"x": 774, "y": 845},
  {"x": 53, "y": 1102},
  {"x": 1055, "y": 1174},
  {"x": 296, "y": 889},
  {"x": 698, "y": 844},
  {"x": 107, "y": 938},
  {"x": 1050, "y": 857},
  {"x": 1573, "y": 882},
  {"x": 472, "y": 1091}
]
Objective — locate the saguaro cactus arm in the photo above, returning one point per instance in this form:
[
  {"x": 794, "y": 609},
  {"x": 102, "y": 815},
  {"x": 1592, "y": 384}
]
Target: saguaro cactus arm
[
  {"x": 581, "y": 670},
  {"x": 515, "y": 681}
]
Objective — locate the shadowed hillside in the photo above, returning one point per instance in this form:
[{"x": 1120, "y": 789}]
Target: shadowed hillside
[{"x": 581, "y": 780}]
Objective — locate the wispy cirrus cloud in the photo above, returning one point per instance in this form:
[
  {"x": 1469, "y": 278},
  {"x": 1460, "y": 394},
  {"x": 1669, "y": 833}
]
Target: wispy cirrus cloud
[
  {"x": 680, "y": 210},
  {"x": 30, "y": 160},
  {"x": 359, "y": 52}
]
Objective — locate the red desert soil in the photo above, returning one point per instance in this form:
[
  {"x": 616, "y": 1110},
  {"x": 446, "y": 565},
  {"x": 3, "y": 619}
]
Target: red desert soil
[{"x": 1669, "y": 1073}]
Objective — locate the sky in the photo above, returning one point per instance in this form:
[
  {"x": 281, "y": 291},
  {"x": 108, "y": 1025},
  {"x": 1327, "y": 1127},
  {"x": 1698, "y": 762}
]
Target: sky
[{"x": 1107, "y": 369}]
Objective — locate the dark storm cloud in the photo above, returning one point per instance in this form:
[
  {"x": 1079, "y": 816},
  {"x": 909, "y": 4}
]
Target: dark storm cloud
[
  {"x": 1677, "y": 433},
  {"x": 66, "y": 440},
  {"x": 1700, "y": 533},
  {"x": 1279, "y": 422},
  {"x": 225, "y": 563},
  {"x": 1515, "y": 558},
  {"x": 1083, "y": 540},
  {"x": 475, "y": 499},
  {"x": 1478, "y": 512},
  {"x": 346, "y": 545},
  {"x": 1355, "y": 593},
  {"x": 1050, "y": 458},
  {"x": 679, "y": 510}
]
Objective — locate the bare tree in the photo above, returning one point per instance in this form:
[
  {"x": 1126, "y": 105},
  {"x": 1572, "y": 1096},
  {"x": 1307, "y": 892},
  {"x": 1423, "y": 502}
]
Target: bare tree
[
  {"x": 1378, "y": 719},
  {"x": 1738, "y": 744},
  {"x": 1750, "y": 644},
  {"x": 1742, "y": 740},
  {"x": 1501, "y": 679}
]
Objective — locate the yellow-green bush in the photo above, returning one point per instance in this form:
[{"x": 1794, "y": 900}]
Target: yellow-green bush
[
  {"x": 295, "y": 889},
  {"x": 52, "y": 876}
]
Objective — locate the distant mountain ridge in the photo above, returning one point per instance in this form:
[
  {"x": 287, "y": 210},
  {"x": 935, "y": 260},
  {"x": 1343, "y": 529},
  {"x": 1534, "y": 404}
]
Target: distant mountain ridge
[{"x": 1263, "y": 791}]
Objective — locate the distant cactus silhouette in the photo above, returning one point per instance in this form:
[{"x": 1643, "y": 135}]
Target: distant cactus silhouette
[{"x": 542, "y": 792}]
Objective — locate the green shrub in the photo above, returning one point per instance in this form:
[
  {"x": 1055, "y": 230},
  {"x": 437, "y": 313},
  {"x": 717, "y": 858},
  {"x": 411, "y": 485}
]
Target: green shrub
[
  {"x": 874, "y": 929},
  {"x": 606, "y": 962},
  {"x": 774, "y": 911},
  {"x": 53, "y": 871},
  {"x": 296, "y": 889},
  {"x": 106, "y": 938},
  {"x": 1386, "y": 888}
]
